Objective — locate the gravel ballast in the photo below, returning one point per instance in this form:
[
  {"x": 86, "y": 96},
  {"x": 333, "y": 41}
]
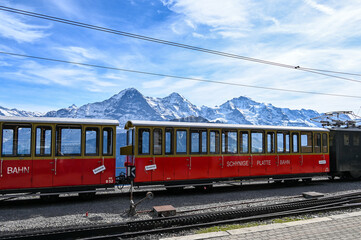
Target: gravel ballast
[{"x": 70, "y": 211}]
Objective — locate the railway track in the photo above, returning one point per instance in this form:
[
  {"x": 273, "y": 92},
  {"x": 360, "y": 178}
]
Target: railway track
[{"x": 177, "y": 223}]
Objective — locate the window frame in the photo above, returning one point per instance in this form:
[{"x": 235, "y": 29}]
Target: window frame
[
  {"x": 140, "y": 140},
  {"x": 58, "y": 140},
  {"x": 311, "y": 145},
  {"x": 217, "y": 144},
  {"x": 111, "y": 138},
  {"x": 263, "y": 141},
  {"x": 176, "y": 141},
  {"x": 226, "y": 143},
  {"x": 15, "y": 141},
  {"x": 161, "y": 141},
  {"x": 36, "y": 140},
  {"x": 273, "y": 143},
  {"x": 96, "y": 141},
  {"x": 240, "y": 143},
  {"x": 171, "y": 131},
  {"x": 298, "y": 142}
]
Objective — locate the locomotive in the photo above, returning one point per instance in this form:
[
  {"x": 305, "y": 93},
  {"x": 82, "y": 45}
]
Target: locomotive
[{"x": 55, "y": 155}]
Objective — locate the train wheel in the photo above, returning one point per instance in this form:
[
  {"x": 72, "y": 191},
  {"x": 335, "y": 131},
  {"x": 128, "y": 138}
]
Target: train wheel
[
  {"x": 49, "y": 198},
  {"x": 174, "y": 189},
  {"x": 354, "y": 175},
  {"x": 86, "y": 196},
  {"x": 204, "y": 188},
  {"x": 307, "y": 180}
]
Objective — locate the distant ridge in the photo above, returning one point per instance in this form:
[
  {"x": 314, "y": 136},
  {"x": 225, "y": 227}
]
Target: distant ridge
[{"x": 131, "y": 104}]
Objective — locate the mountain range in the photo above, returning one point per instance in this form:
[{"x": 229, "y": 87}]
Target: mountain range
[{"x": 130, "y": 104}]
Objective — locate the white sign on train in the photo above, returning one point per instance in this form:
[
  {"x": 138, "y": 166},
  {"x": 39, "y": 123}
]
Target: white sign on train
[
  {"x": 150, "y": 167},
  {"x": 99, "y": 169}
]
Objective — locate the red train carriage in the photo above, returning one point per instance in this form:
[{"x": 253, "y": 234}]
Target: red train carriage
[
  {"x": 56, "y": 154},
  {"x": 185, "y": 153}
]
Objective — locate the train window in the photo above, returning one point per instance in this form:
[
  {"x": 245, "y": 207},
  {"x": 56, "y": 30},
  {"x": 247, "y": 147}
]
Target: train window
[
  {"x": 181, "y": 141},
  {"x": 270, "y": 142},
  {"x": 346, "y": 139},
  {"x": 68, "y": 141},
  {"x": 243, "y": 142},
  {"x": 43, "y": 141},
  {"x": 214, "y": 142},
  {"x": 24, "y": 141},
  {"x": 317, "y": 141},
  {"x": 204, "y": 142},
  {"x": 168, "y": 141},
  {"x": 295, "y": 142},
  {"x": 306, "y": 142},
  {"x": 324, "y": 143},
  {"x": 356, "y": 139},
  {"x": 16, "y": 140},
  {"x": 257, "y": 142},
  {"x": 283, "y": 142},
  {"x": 107, "y": 141},
  {"x": 157, "y": 141},
  {"x": 195, "y": 142},
  {"x": 8, "y": 141},
  {"x": 144, "y": 141},
  {"x": 229, "y": 142},
  {"x": 92, "y": 141},
  {"x": 130, "y": 133}
]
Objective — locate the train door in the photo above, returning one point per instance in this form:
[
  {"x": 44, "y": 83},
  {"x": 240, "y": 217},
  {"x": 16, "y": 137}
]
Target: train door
[
  {"x": 307, "y": 158},
  {"x": 158, "y": 160},
  {"x": 108, "y": 160},
  {"x": 198, "y": 160},
  {"x": 182, "y": 161},
  {"x": 168, "y": 159},
  {"x": 68, "y": 161},
  {"x": 244, "y": 161},
  {"x": 93, "y": 163},
  {"x": 216, "y": 161},
  {"x": 296, "y": 156},
  {"x": 43, "y": 161},
  {"x": 319, "y": 158},
  {"x": 229, "y": 143},
  {"x": 284, "y": 159},
  {"x": 143, "y": 160},
  {"x": 258, "y": 160},
  {"x": 16, "y": 160},
  {"x": 271, "y": 159}
]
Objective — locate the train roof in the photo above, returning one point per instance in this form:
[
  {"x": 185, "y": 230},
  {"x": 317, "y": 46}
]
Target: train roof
[
  {"x": 135, "y": 123},
  {"x": 59, "y": 120}
]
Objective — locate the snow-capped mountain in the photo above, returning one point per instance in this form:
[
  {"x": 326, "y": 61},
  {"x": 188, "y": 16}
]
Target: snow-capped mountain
[
  {"x": 131, "y": 104},
  {"x": 18, "y": 113}
]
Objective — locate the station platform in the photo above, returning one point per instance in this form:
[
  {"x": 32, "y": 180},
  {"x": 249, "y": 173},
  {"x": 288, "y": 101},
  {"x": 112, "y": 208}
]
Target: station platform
[{"x": 335, "y": 227}]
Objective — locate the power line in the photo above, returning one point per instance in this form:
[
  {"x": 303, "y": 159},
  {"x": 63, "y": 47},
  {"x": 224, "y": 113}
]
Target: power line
[
  {"x": 175, "y": 44},
  {"x": 178, "y": 77}
]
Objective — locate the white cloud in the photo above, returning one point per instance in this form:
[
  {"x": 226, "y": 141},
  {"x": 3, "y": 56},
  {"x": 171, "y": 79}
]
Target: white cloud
[
  {"x": 15, "y": 28},
  {"x": 219, "y": 15},
  {"x": 320, "y": 7}
]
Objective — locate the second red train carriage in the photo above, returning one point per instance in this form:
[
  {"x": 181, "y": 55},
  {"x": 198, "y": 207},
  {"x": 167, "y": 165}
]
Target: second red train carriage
[{"x": 185, "y": 153}]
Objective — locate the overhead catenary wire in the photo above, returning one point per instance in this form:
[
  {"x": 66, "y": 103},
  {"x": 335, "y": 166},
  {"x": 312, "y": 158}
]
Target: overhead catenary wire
[
  {"x": 178, "y": 77},
  {"x": 180, "y": 45}
]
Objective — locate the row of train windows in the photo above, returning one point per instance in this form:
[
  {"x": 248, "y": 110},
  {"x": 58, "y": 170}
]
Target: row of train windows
[
  {"x": 232, "y": 142},
  {"x": 16, "y": 141}
]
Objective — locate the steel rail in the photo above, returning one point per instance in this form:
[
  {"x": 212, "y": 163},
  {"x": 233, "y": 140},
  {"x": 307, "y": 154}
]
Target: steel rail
[{"x": 134, "y": 228}]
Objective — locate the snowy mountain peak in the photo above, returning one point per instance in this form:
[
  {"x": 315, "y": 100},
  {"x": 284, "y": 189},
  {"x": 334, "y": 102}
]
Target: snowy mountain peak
[{"x": 131, "y": 104}]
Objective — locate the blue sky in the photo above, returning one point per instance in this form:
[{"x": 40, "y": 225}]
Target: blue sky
[{"x": 309, "y": 33}]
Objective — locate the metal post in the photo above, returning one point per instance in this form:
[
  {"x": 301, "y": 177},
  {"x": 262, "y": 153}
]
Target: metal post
[{"x": 132, "y": 211}]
